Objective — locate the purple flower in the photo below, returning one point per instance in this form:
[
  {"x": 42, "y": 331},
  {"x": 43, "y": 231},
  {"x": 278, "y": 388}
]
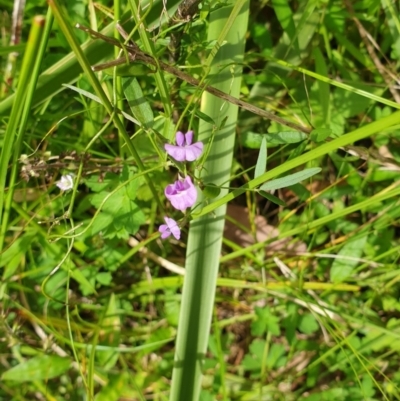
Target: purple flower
[
  {"x": 184, "y": 150},
  {"x": 182, "y": 193},
  {"x": 170, "y": 228}
]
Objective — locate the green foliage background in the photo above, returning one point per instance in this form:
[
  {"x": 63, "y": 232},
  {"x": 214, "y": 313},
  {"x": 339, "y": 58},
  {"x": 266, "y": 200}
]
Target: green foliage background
[{"x": 90, "y": 296}]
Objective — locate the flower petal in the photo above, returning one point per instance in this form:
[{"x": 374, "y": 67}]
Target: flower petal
[
  {"x": 180, "y": 138},
  {"x": 193, "y": 152},
  {"x": 176, "y": 232},
  {"x": 177, "y": 152},
  {"x": 170, "y": 228},
  {"x": 165, "y": 232},
  {"x": 173, "y": 227},
  {"x": 190, "y": 193},
  {"x": 66, "y": 182},
  {"x": 189, "y": 138},
  {"x": 179, "y": 202},
  {"x": 182, "y": 194}
]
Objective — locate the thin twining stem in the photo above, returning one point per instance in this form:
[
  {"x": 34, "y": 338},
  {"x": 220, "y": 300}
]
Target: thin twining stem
[{"x": 135, "y": 54}]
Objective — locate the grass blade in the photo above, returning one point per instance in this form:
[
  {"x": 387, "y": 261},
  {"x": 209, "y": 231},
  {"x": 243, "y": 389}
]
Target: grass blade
[
  {"x": 262, "y": 159},
  {"x": 205, "y": 234},
  {"x": 11, "y": 131},
  {"x": 67, "y": 70},
  {"x": 67, "y": 31},
  {"x": 290, "y": 179}
]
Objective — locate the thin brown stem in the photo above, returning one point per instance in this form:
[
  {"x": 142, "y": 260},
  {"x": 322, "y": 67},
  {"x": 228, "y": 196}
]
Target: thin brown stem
[{"x": 137, "y": 55}]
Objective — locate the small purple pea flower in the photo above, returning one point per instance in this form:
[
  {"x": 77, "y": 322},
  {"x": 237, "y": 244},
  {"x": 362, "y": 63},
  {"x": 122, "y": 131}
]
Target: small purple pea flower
[
  {"x": 171, "y": 227},
  {"x": 182, "y": 193},
  {"x": 184, "y": 150}
]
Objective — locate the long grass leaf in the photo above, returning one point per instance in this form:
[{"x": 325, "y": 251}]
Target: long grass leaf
[
  {"x": 205, "y": 234},
  {"x": 290, "y": 179},
  {"x": 11, "y": 133},
  {"x": 348, "y": 139},
  {"x": 262, "y": 159},
  {"x": 139, "y": 18},
  {"x": 34, "y": 73},
  {"x": 67, "y": 31},
  {"x": 68, "y": 69},
  {"x": 338, "y": 84}
]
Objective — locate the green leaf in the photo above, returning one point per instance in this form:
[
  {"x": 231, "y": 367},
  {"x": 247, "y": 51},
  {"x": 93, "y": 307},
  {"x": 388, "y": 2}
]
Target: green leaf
[
  {"x": 79, "y": 277},
  {"x": 290, "y": 179},
  {"x": 132, "y": 188},
  {"x": 109, "y": 182},
  {"x": 114, "y": 389},
  {"x": 272, "y": 198},
  {"x": 97, "y": 99},
  {"x": 284, "y": 14},
  {"x": 285, "y": 137},
  {"x": 320, "y": 134},
  {"x": 343, "y": 268},
  {"x": 275, "y": 358},
  {"x": 18, "y": 247},
  {"x": 302, "y": 192},
  {"x": 98, "y": 199},
  {"x": 211, "y": 191},
  {"x": 252, "y": 360},
  {"x": 119, "y": 216},
  {"x": 206, "y": 396},
  {"x": 127, "y": 216},
  {"x": 140, "y": 107},
  {"x": 253, "y": 140},
  {"x": 308, "y": 324},
  {"x": 101, "y": 222},
  {"x": 290, "y": 323},
  {"x": 323, "y": 87},
  {"x": 41, "y": 367},
  {"x": 265, "y": 321},
  {"x": 204, "y": 117},
  {"x": 262, "y": 159},
  {"x": 104, "y": 278},
  {"x": 110, "y": 329}
]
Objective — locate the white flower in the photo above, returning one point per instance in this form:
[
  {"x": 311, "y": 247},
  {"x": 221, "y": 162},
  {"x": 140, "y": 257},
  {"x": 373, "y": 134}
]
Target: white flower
[{"x": 66, "y": 182}]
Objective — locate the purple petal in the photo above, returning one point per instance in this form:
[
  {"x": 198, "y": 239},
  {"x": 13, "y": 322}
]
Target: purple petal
[
  {"x": 191, "y": 192},
  {"x": 180, "y": 138},
  {"x": 170, "y": 222},
  {"x": 182, "y": 194},
  {"x": 194, "y": 151},
  {"x": 170, "y": 228},
  {"x": 179, "y": 202},
  {"x": 176, "y": 232},
  {"x": 165, "y": 232},
  {"x": 178, "y": 153},
  {"x": 189, "y": 138},
  {"x": 170, "y": 190},
  {"x": 173, "y": 227}
]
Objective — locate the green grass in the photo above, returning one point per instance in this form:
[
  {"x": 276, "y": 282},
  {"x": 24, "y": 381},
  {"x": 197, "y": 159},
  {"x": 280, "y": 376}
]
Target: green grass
[{"x": 296, "y": 299}]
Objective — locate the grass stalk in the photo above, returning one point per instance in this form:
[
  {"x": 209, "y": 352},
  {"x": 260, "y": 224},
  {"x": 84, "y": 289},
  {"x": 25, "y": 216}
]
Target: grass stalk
[
  {"x": 68, "y": 69},
  {"x": 358, "y": 134},
  {"x": 149, "y": 48},
  {"x": 14, "y": 130},
  {"x": 23, "y": 123},
  {"x": 118, "y": 91},
  {"x": 66, "y": 28},
  {"x": 205, "y": 233}
]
